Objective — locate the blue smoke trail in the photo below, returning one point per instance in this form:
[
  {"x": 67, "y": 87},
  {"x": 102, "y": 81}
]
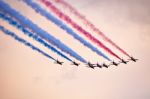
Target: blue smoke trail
[
  {"x": 35, "y": 37},
  {"x": 63, "y": 26},
  {"x": 7, "y": 32},
  {"x": 27, "y": 23}
]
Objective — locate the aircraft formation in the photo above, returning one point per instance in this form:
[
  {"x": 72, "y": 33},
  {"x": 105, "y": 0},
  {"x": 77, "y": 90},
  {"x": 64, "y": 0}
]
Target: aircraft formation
[{"x": 113, "y": 63}]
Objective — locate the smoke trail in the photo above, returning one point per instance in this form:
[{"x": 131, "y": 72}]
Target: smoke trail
[
  {"x": 27, "y": 23},
  {"x": 76, "y": 26},
  {"x": 7, "y": 32},
  {"x": 59, "y": 23},
  {"x": 90, "y": 25},
  {"x": 35, "y": 37}
]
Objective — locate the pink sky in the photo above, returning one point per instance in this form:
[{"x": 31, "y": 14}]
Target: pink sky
[{"x": 26, "y": 74}]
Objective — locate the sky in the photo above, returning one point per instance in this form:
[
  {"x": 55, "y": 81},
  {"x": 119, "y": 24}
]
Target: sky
[{"x": 26, "y": 74}]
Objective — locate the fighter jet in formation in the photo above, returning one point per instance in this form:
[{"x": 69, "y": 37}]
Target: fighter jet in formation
[
  {"x": 123, "y": 61},
  {"x": 98, "y": 65},
  {"x": 105, "y": 65},
  {"x": 74, "y": 63},
  {"x": 91, "y": 65},
  {"x": 114, "y": 63},
  {"x": 133, "y": 59},
  {"x": 58, "y": 62}
]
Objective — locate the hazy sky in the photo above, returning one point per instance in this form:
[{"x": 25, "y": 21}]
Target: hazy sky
[{"x": 26, "y": 74}]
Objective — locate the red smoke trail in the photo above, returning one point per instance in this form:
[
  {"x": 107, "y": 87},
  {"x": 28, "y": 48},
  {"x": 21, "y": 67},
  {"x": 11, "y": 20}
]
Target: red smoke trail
[
  {"x": 90, "y": 25},
  {"x": 76, "y": 26}
]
